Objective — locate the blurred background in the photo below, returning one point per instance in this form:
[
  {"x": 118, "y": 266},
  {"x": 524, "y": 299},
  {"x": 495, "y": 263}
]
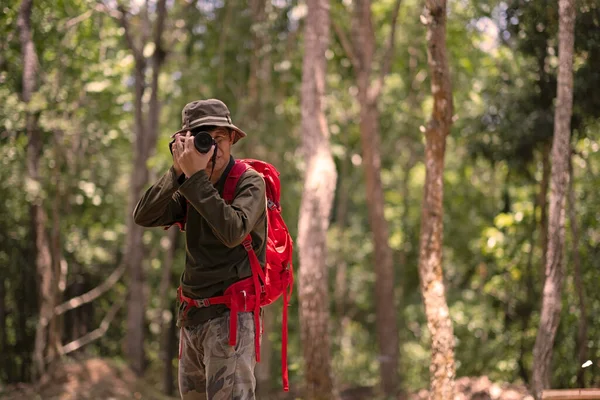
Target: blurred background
[{"x": 92, "y": 90}]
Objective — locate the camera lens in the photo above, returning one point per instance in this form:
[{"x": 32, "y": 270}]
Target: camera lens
[{"x": 203, "y": 142}]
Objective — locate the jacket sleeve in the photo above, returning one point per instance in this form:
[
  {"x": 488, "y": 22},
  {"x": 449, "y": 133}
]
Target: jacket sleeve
[
  {"x": 161, "y": 205},
  {"x": 231, "y": 223}
]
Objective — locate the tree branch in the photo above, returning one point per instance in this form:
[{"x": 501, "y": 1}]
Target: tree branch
[
  {"x": 92, "y": 294},
  {"x": 388, "y": 56},
  {"x": 124, "y": 21},
  {"x": 120, "y": 15},
  {"x": 346, "y": 44},
  {"x": 76, "y": 20},
  {"x": 145, "y": 17},
  {"x": 97, "y": 333},
  {"x": 161, "y": 10},
  {"x": 103, "y": 8}
]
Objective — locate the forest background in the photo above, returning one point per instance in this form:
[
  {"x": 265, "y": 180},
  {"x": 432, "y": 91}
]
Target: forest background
[{"x": 92, "y": 90}]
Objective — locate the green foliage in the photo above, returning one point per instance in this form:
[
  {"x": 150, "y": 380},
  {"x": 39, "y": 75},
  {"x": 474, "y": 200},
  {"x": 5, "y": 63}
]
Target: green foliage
[{"x": 503, "y": 67}]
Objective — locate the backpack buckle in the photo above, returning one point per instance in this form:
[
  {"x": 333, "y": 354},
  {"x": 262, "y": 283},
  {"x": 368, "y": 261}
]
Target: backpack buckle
[
  {"x": 271, "y": 204},
  {"x": 202, "y": 303},
  {"x": 247, "y": 244},
  {"x": 244, "y": 293}
]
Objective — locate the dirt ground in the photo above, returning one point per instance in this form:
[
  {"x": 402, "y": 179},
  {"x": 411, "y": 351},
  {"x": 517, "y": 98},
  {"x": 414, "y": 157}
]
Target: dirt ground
[
  {"x": 100, "y": 379},
  {"x": 93, "y": 379}
]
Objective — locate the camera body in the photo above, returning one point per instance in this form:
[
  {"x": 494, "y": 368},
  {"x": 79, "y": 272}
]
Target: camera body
[{"x": 202, "y": 142}]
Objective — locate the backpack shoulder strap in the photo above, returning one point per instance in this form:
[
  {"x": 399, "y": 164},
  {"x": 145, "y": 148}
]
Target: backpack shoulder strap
[{"x": 232, "y": 179}]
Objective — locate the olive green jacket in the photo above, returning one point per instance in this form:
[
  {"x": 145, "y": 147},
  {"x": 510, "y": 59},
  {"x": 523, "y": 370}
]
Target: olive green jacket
[{"x": 215, "y": 257}]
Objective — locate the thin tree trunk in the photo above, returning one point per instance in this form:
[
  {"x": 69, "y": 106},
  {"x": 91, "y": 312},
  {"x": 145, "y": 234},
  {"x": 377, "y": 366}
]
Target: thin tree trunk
[
  {"x": 583, "y": 327},
  {"x": 223, "y": 39},
  {"x": 134, "y": 251},
  {"x": 530, "y": 294},
  {"x": 317, "y": 198},
  {"x": 385, "y": 303},
  {"x": 405, "y": 193},
  {"x": 385, "y": 309},
  {"x": 543, "y": 202},
  {"x": 165, "y": 300},
  {"x": 341, "y": 284},
  {"x": 551, "y": 297},
  {"x": 57, "y": 324},
  {"x": 45, "y": 336},
  {"x": 3, "y": 341},
  {"x": 25, "y": 341},
  {"x": 258, "y": 14},
  {"x": 442, "y": 368},
  {"x": 146, "y": 132}
]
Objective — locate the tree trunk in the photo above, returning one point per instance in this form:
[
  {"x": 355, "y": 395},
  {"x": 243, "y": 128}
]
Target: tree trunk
[
  {"x": 317, "y": 198},
  {"x": 442, "y": 368},
  {"x": 134, "y": 251},
  {"x": 25, "y": 340},
  {"x": 551, "y": 297},
  {"x": 167, "y": 316},
  {"x": 146, "y": 133},
  {"x": 543, "y": 202},
  {"x": 168, "y": 377},
  {"x": 385, "y": 304},
  {"x": 257, "y": 8},
  {"x": 59, "y": 270},
  {"x": 223, "y": 39},
  {"x": 385, "y": 309},
  {"x": 3, "y": 339},
  {"x": 583, "y": 328},
  {"x": 45, "y": 337},
  {"x": 341, "y": 272}
]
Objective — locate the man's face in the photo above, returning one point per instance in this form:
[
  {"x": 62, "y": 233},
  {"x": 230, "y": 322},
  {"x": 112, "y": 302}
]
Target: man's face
[{"x": 224, "y": 141}]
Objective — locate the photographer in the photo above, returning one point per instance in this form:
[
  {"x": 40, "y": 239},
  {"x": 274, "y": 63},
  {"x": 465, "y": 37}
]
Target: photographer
[{"x": 190, "y": 194}]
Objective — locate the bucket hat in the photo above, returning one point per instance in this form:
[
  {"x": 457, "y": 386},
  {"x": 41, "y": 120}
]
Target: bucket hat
[{"x": 211, "y": 112}]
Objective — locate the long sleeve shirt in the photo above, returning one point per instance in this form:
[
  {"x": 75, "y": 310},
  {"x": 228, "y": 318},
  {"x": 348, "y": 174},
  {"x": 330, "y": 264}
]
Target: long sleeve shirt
[{"x": 215, "y": 257}]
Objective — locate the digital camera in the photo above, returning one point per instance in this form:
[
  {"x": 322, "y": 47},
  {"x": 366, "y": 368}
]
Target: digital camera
[{"x": 202, "y": 142}]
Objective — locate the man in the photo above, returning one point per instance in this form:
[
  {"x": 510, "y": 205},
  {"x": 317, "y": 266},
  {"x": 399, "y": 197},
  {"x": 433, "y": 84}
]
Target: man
[{"x": 191, "y": 192}]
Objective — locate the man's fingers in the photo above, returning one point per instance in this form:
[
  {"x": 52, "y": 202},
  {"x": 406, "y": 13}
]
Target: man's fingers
[
  {"x": 179, "y": 144},
  {"x": 189, "y": 143}
]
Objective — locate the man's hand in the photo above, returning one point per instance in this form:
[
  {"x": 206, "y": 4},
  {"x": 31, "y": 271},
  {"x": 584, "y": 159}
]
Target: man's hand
[
  {"x": 189, "y": 159},
  {"x": 176, "y": 166}
]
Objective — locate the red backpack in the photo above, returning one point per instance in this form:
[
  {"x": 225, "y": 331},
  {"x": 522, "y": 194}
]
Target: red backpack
[{"x": 264, "y": 286}]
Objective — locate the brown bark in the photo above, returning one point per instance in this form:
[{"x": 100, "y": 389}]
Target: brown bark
[
  {"x": 223, "y": 39},
  {"x": 543, "y": 202},
  {"x": 317, "y": 198},
  {"x": 551, "y": 297},
  {"x": 59, "y": 269},
  {"x": 341, "y": 283},
  {"x": 361, "y": 52},
  {"x": 257, "y": 7},
  {"x": 575, "y": 236},
  {"x": 385, "y": 299},
  {"x": 171, "y": 353},
  {"x": 442, "y": 367},
  {"x": 146, "y": 133},
  {"x": 3, "y": 341},
  {"x": 45, "y": 339},
  {"x": 167, "y": 317}
]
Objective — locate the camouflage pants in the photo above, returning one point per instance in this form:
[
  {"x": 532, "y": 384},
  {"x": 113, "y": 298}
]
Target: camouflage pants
[{"x": 210, "y": 368}]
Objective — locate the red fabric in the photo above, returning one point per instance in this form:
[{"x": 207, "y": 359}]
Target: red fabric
[{"x": 265, "y": 286}]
